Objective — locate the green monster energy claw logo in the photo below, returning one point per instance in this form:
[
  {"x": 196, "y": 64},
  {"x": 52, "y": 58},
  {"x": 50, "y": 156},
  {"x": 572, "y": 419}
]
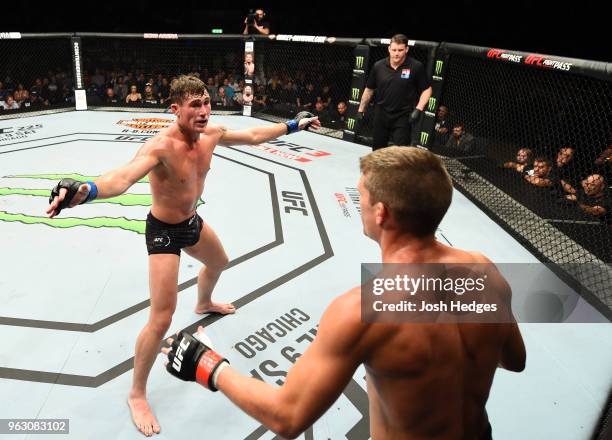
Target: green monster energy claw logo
[
  {"x": 355, "y": 94},
  {"x": 432, "y": 104},
  {"x": 350, "y": 123},
  {"x": 439, "y": 65},
  {"x": 424, "y": 137},
  {"x": 359, "y": 62},
  {"x": 137, "y": 226}
]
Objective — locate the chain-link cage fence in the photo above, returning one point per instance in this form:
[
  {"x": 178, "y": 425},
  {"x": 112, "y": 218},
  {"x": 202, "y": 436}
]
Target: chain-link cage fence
[
  {"x": 135, "y": 72},
  {"x": 529, "y": 146},
  {"x": 292, "y": 76},
  {"x": 379, "y": 49},
  {"x": 35, "y": 73}
]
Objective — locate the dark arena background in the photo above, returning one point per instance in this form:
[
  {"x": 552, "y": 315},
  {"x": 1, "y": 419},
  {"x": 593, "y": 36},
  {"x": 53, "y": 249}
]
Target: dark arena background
[{"x": 518, "y": 78}]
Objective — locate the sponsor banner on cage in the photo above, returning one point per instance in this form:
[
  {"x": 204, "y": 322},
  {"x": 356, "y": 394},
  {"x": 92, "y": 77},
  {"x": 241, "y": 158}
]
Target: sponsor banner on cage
[
  {"x": 476, "y": 293},
  {"x": 305, "y": 38},
  {"x": 80, "y": 99},
  {"x": 438, "y": 67},
  {"x": 161, "y": 36},
  {"x": 76, "y": 61},
  {"x": 541, "y": 61},
  {"x": 387, "y": 41}
]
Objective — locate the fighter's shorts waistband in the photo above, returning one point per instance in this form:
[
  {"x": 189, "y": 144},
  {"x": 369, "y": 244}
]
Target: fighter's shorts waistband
[{"x": 156, "y": 222}]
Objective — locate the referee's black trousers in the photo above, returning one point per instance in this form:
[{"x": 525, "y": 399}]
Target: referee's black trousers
[{"x": 391, "y": 126}]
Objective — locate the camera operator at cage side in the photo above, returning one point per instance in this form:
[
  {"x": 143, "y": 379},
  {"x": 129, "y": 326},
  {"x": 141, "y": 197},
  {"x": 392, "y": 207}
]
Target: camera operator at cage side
[{"x": 255, "y": 24}]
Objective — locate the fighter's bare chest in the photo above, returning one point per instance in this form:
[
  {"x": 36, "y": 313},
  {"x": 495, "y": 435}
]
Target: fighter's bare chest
[{"x": 189, "y": 164}]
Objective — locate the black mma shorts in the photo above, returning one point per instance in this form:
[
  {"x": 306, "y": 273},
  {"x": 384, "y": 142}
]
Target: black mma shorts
[{"x": 164, "y": 238}]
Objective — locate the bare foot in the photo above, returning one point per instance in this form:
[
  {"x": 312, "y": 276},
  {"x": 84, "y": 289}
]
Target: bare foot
[
  {"x": 142, "y": 416},
  {"x": 214, "y": 307}
]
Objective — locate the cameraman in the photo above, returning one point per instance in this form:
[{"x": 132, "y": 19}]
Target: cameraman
[{"x": 255, "y": 24}]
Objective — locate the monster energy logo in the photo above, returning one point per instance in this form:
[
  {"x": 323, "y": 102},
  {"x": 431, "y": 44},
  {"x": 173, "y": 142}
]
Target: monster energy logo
[
  {"x": 355, "y": 94},
  {"x": 432, "y": 104},
  {"x": 137, "y": 226},
  {"x": 359, "y": 62},
  {"x": 439, "y": 65},
  {"x": 424, "y": 137},
  {"x": 350, "y": 123}
]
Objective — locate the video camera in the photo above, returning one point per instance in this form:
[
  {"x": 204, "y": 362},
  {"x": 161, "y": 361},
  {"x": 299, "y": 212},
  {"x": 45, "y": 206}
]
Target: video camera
[{"x": 251, "y": 17}]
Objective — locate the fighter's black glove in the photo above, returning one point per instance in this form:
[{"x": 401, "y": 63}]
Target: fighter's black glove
[
  {"x": 190, "y": 359},
  {"x": 72, "y": 186},
  {"x": 302, "y": 121}
]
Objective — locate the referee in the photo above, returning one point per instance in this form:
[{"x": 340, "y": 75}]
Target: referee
[{"x": 402, "y": 91}]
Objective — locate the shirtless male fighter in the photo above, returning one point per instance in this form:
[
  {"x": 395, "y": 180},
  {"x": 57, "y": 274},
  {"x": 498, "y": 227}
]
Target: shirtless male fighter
[
  {"x": 177, "y": 161},
  {"x": 426, "y": 380}
]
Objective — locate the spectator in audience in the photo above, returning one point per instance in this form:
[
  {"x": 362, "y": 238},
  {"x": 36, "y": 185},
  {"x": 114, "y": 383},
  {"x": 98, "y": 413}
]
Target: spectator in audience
[
  {"x": 3, "y": 92},
  {"x": 111, "y": 98},
  {"x": 120, "y": 87},
  {"x": 338, "y": 119},
  {"x": 222, "y": 99},
  {"x": 326, "y": 96},
  {"x": 93, "y": 94},
  {"x": 289, "y": 95},
  {"x": 35, "y": 101},
  {"x": 460, "y": 140},
  {"x": 256, "y": 24},
  {"x": 308, "y": 97},
  {"x": 274, "y": 80},
  {"x": 53, "y": 90},
  {"x": 67, "y": 95},
  {"x": 603, "y": 164},
  {"x": 45, "y": 92},
  {"x": 140, "y": 82},
  {"x": 604, "y": 157},
  {"x": 442, "y": 126},
  {"x": 98, "y": 78},
  {"x": 164, "y": 91},
  {"x": 133, "y": 97},
  {"x": 275, "y": 92},
  {"x": 229, "y": 90},
  {"x": 594, "y": 197},
  {"x": 149, "y": 97},
  {"x": 21, "y": 94},
  {"x": 321, "y": 112},
  {"x": 154, "y": 88},
  {"x": 37, "y": 87},
  {"x": 541, "y": 173},
  {"x": 10, "y": 103},
  {"x": 234, "y": 83},
  {"x": 565, "y": 174},
  {"x": 261, "y": 98},
  {"x": 212, "y": 88},
  {"x": 523, "y": 163}
]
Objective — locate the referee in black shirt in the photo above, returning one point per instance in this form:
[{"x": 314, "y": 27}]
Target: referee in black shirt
[{"x": 402, "y": 92}]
